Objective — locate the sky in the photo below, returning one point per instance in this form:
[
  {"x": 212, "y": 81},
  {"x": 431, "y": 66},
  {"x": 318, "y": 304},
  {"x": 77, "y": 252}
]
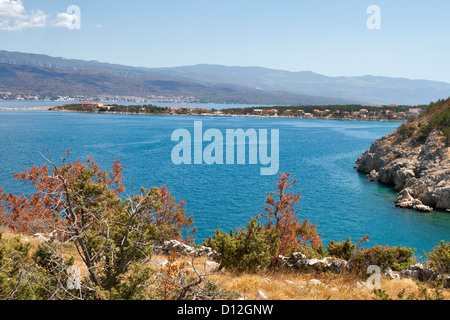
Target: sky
[{"x": 329, "y": 37}]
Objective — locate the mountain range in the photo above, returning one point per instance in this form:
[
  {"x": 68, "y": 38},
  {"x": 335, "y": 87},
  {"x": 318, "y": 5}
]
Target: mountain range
[{"x": 42, "y": 74}]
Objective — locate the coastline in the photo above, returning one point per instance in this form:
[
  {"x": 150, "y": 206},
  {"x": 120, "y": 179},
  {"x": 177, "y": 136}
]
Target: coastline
[
  {"x": 29, "y": 108},
  {"x": 417, "y": 167},
  {"x": 58, "y": 109}
]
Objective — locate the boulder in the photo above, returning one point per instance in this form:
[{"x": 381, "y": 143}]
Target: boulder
[
  {"x": 372, "y": 175},
  {"x": 166, "y": 247},
  {"x": 422, "y": 207},
  {"x": 337, "y": 266},
  {"x": 314, "y": 282},
  {"x": 316, "y": 264},
  {"x": 260, "y": 295},
  {"x": 391, "y": 274},
  {"x": 404, "y": 200}
]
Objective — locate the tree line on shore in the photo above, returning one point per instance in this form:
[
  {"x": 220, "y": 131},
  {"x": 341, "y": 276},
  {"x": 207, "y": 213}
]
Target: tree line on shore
[{"x": 338, "y": 111}]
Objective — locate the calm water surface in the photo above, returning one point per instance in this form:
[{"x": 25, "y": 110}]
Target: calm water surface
[{"x": 319, "y": 154}]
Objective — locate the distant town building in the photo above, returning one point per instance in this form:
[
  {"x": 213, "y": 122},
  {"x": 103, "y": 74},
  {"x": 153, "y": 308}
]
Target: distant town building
[
  {"x": 415, "y": 111},
  {"x": 318, "y": 112}
]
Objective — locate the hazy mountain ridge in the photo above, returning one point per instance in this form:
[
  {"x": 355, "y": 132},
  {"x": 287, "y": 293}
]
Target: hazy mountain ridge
[
  {"x": 370, "y": 89},
  {"x": 50, "y": 81},
  {"x": 304, "y": 86}
]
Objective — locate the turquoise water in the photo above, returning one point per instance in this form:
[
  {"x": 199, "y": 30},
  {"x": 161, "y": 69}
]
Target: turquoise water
[{"x": 319, "y": 154}]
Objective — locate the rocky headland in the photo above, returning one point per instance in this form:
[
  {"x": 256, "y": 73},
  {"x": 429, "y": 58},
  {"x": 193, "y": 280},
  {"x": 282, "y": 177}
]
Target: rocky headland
[{"x": 415, "y": 160}]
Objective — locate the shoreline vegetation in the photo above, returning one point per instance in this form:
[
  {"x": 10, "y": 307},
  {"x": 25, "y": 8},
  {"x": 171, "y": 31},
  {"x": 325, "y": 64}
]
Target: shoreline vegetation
[
  {"x": 80, "y": 236},
  {"x": 392, "y": 113}
]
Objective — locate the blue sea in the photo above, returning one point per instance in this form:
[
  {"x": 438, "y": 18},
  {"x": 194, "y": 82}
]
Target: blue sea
[{"x": 319, "y": 154}]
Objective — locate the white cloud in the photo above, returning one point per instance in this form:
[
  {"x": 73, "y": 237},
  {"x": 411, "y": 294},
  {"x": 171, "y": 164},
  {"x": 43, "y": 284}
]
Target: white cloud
[
  {"x": 14, "y": 17},
  {"x": 69, "y": 19},
  {"x": 64, "y": 20},
  {"x": 12, "y": 9}
]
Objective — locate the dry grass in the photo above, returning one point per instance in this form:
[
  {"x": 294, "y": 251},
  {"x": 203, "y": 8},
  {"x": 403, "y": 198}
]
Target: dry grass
[
  {"x": 296, "y": 286},
  {"x": 33, "y": 241},
  {"x": 288, "y": 285}
]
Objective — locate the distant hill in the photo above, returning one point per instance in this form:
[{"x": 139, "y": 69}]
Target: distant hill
[
  {"x": 28, "y": 79},
  {"x": 238, "y": 84},
  {"x": 368, "y": 89}
]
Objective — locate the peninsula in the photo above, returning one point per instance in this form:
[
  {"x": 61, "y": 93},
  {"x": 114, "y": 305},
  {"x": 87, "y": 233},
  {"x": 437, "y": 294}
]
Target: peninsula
[
  {"x": 415, "y": 160},
  {"x": 343, "y": 112}
]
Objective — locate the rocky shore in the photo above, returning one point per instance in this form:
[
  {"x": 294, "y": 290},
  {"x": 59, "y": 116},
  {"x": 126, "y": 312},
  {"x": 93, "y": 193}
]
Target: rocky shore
[{"x": 418, "y": 168}]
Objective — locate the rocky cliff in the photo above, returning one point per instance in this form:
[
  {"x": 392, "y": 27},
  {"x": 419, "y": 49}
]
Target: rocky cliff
[{"x": 415, "y": 163}]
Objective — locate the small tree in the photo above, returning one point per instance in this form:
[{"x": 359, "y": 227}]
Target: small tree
[
  {"x": 439, "y": 258},
  {"x": 397, "y": 258},
  {"x": 282, "y": 216},
  {"x": 85, "y": 206},
  {"x": 344, "y": 250},
  {"x": 246, "y": 250}
]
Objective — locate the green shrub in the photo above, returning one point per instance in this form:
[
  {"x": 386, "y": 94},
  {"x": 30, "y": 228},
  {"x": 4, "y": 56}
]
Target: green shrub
[
  {"x": 407, "y": 130},
  {"x": 439, "y": 258},
  {"x": 397, "y": 258},
  {"x": 247, "y": 250},
  {"x": 447, "y": 136},
  {"x": 441, "y": 119},
  {"x": 310, "y": 252},
  {"x": 13, "y": 256},
  {"x": 412, "y": 119},
  {"x": 344, "y": 250},
  {"x": 20, "y": 279},
  {"x": 425, "y": 129},
  {"x": 48, "y": 256}
]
